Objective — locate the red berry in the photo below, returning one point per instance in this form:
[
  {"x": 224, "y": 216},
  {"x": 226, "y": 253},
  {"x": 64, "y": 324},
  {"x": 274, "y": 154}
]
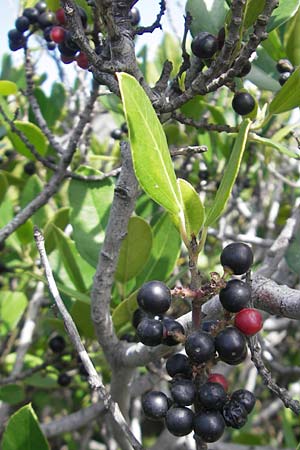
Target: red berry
[
  {"x": 82, "y": 60},
  {"x": 67, "y": 59},
  {"x": 57, "y": 34},
  {"x": 218, "y": 378},
  {"x": 60, "y": 16},
  {"x": 249, "y": 321}
]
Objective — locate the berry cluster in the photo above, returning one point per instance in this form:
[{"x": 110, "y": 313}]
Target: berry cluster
[
  {"x": 55, "y": 31},
  {"x": 285, "y": 68},
  {"x": 200, "y": 401},
  {"x": 118, "y": 133}
]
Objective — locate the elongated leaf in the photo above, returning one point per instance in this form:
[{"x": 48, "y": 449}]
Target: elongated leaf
[
  {"x": 285, "y": 11},
  {"x": 208, "y": 15},
  {"x": 31, "y": 189},
  {"x": 12, "y": 307},
  {"x": 253, "y": 9},
  {"x": 192, "y": 207},
  {"x": 293, "y": 42},
  {"x": 271, "y": 143},
  {"x": 292, "y": 255},
  {"x": 135, "y": 249},
  {"x": 3, "y": 186},
  {"x": 230, "y": 174},
  {"x": 61, "y": 220},
  {"x": 34, "y": 136},
  {"x": 151, "y": 157},
  {"x": 90, "y": 204},
  {"x": 124, "y": 311},
  {"x": 164, "y": 253},
  {"x": 53, "y": 5},
  {"x": 12, "y": 394},
  {"x": 8, "y": 87},
  {"x": 23, "y": 432},
  {"x": 81, "y": 314},
  {"x": 289, "y": 95}
]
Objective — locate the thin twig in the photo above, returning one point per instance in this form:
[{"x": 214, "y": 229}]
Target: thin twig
[{"x": 156, "y": 24}]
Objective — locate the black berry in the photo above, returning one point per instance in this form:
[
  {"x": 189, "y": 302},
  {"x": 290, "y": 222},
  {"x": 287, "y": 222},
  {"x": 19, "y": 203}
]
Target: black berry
[
  {"x": 238, "y": 257},
  {"x": 83, "y": 16},
  {"x": 200, "y": 346},
  {"x": 235, "y": 414},
  {"x": 22, "y": 24},
  {"x": 183, "y": 392},
  {"x": 124, "y": 127},
  {"x": 246, "y": 398},
  {"x": 245, "y": 69},
  {"x": 150, "y": 332},
  {"x": 171, "y": 328},
  {"x": 284, "y": 65},
  {"x": 46, "y": 19},
  {"x": 243, "y": 103},
  {"x": 231, "y": 345},
  {"x": 235, "y": 296},
  {"x": 41, "y": 7},
  {"x": 57, "y": 344},
  {"x": 154, "y": 297},
  {"x": 155, "y": 405},
  {"x": 30, "y": 168},
  {"x": 179, "y": 421},
  {"x": 15, "y": 35},
  {"x": 32, "y": 14},
  {"x": 204, "y": 45},
  {"x": 51, "y": 46},
  {"x": 178, "y": 364},
  {"x": 65, "y": 50},
  {"x": 116, "y": 134},
  {"x": 64, "y": 379},
  {"x": 209, "y": 425},
  {"x": 208, "y": 325},
  {"x": 134, "y": 16},
  {"x": 284, "y": 77},
  {"x": 212, "y": 396},
  {"x": 137, "y": 317}
]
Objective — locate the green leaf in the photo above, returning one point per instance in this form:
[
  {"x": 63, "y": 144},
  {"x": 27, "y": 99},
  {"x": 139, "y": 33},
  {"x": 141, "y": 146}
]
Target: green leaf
[
  {"x": 288, "y": 97},
  {"x": 30, "y": 191},
  {"x": 34, "y": 136},
  {"x": 253, "y": 9},
  {"x": 81, "y": 314},
  {"x": 164, "y": 253},
  {"x": 53, "y": 5},
  {"x": 293, "y": 42},
  {"x": 292, "y": 255},
  {"x": 208, "y": 15},
  {"x": 12, "y": 307},
  {"x": 192, "y": 206},
  {"x": 70, "y": 258},
  {"x": 288, "y": 431},
  {"x": 123, "y": 312},
  {"x": 3, "y": 186},
  {"x": 12, "y": 394},
  {"x": 23, "y": 432},
  {"x": 135, "y": 249},
  {"x": 61, "y": 220},
  {"x": 8, "y": 87},
  {"x": 272, "y": 143},
  {"x": 151, "y": 157},
  {"x": 285, "y": 11},
  {"x": 230, "y": 174},
  {"x": 90, "y": 203}
]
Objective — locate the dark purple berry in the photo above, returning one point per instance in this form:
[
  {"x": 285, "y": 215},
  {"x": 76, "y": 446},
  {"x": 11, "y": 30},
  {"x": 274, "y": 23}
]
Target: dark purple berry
[
  {"x": 179, "y": 421},
  {"x": 183, "y": 392},
  {"x": 243, "y": 103},
  {"x": 231, "y": 345},
  {"x": 51, "y": 46},
  {"x": 134, "y": 16},
  {"x": 30, "y": 168},
  {"x": 208, "y": 325},
  {"x": 138, "y": 316},
  {"x": 46, "y": 19},
  {"x": 150, "y": 332},
  {"x": 245, "y": 69},
  {"x": 64, "y": 379},
  {"x": 154, "y": 297},
  {"x": 212, "y": 396},
  {"x": 178, "y": 365},
  {"x": 155, "y": 405},
  {"x": 209, "y": 425},
  {"x": 22, "y": 24},
  {"x": 171, "y": 328},
  {"x": 204, "y": 45},
  {"x": 284, "y": 65},
  {"x": 15, "y": 35},
  {"x": 238, "y": 257},
  {"x": 284, "y": 77},
  {"x": 16, "y": 45},
  {"x": 65, "y": 50},
  {"x": 116, "y": 134},
  {"x": 200, "y": 346},
  {"x": 235, "y": 414},
  {"x": 246, "y": 398},
  {"x": 124, "y": 127},
  {"x": 235, "y": 296},
  {"x": 32, "y": 14},
  {"x": 57, "y": 344},
  {"x": 41, "y": 7},
  {"x": 47, "y": 32}
]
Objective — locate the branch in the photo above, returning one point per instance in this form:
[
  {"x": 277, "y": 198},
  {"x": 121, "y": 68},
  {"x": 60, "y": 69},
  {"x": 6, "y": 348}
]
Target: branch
[
  {"x": 202, "y": 124},
  {"x": 156, "y": 24}
]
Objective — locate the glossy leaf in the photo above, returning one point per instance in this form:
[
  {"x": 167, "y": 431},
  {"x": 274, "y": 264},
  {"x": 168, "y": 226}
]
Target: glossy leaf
[
  {"x": 81, "y": 314},
  {"x": 192, "y": 206},
  {"x": 12, "y": 394},
  {"x": 90, "y": 204},
  {"x": 285, "y": 11},
  {"x": 135, "y": 249},
  {"x": 289, "y": 95},
  {"x": 34, "y": 136},
  {"x": 3, "y": 186},
  {"x": 272, "y": 143},
  {"x": 23, "y": 432},
  {"x": 61, "y": 220},
  {"x": 31, "y": 189},
  {"x": 293, "y": 42},
  {"x": 12, "y": 308},
  {"x": 122, "y": 314},
  {"x": 8, "y": 88},
  {"x": 53, "y": 5},
  {"x": 164, "y": 253},
  {"x": 230, "y": 174},
  {"x": 208, "y": 15},
  {"x": 253, "y": 9},
  {"x": 150, "y": 153}
]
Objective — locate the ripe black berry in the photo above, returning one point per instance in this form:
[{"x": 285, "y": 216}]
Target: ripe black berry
[
  {"x": 208, "y": 325},
  {"x": 235, "y": 296},
  {"x": 183, "y": 392},
  {"x": 134, "y": 16},
  {"x": 243, "y": 103},
  {"x": 124, "y": 127},
  {"x": 116, "y": 134},
  {"x": 235, "y": 414},
  {"x": 246, "y": 398},
  {"x": 32, "y": 14},
  {"x": 179, "y": 421},
  {"x": 57, "y": 344},
  {"x": 65, "y": 50},
  {"x": 171, "y": 328},
  {"x": 238, "y": 257},
  {"x": 245, "y": 69},
  {"x": 64, "y": 379},
  {"x": 284, "y": 65},
  {"x": 200, "y": 346},
  {"x": 154, "y": 297},
  {"x": 284, "y": 77},
  {"x": 51, "y": 46},
  {"x": 41, "y": 7},
  {"x": 204, "y": 45},
  {"x": 137, "y": 317},
  {"x": 212, "y": 396},
  {"x": 83, "y": 16},
  {"x": 150, "y": 332},
  {"x": 15, "y": 35},
  {"x": 46, "y": 19},
  {"x": 209, "y": 425},
  {"x": 178, "y": 364},
  {"x": 30, "y": 168},
  {"x": 155, "y": 405},
  {"x": 22, "y": 24},
  {"x": 231, "y": 345}
]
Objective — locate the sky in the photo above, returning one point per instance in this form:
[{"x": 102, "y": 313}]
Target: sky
[{"x": 172, "y": 21}]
